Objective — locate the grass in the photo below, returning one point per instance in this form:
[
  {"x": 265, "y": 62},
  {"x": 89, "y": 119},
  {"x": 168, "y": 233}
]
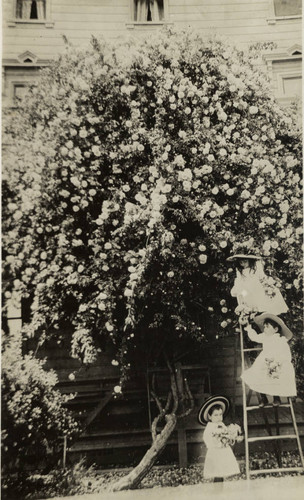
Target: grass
[{"x": 79, "y": 479}]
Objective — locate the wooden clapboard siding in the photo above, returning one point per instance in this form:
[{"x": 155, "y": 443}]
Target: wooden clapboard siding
[
  {"x": 123, "y": 422},
  {"x": 117, "y": 428},
  {"x": 244, "y": 21}
]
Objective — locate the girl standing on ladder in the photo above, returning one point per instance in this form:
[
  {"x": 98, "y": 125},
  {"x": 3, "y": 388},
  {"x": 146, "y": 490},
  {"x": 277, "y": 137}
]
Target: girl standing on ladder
[
  {"x": 272, "y": 372},
  {"x": 255, "y": 292}
]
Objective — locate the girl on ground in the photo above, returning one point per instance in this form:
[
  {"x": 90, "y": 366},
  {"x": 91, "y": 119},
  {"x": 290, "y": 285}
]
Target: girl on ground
[
  {"x": 220, "y": 461},
  {"x": 272, "y": 372}
]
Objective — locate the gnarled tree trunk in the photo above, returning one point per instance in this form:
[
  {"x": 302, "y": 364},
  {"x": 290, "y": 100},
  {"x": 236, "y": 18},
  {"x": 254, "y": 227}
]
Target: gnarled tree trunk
[
  {"x": 175, "y": 396},
  {"x": 132, "y": 480}
]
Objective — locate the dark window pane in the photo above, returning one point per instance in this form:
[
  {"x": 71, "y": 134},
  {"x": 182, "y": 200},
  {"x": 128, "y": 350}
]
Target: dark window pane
[
  {"x": 34, "y": 11},
  {"x": 287, "y": 7}
]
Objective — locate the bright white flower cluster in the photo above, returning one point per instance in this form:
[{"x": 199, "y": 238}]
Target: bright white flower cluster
[{"x": 131, "y": 197}]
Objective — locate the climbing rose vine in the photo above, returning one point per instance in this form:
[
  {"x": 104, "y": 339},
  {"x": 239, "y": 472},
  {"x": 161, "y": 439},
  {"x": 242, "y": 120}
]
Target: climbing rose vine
[{"x": 131, "y": 173}]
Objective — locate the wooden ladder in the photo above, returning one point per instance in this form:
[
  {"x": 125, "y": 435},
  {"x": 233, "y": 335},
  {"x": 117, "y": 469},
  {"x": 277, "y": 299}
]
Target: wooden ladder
[{"x": 275, "y": 438}]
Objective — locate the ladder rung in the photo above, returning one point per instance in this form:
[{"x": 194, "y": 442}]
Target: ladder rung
[
  {"x": 252, "y": 349},
  {"x": 268, "y": 438},
  {"x": 282, "y": 469},
  {"x": 256, "y": 407}
]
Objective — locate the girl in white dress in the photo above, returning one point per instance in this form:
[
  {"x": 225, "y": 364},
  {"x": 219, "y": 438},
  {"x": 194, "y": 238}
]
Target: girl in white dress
[
  {"x": 272, "y": 372},
  {"x": 255, "y": 292},
  {"x": 220, "y": 461}
]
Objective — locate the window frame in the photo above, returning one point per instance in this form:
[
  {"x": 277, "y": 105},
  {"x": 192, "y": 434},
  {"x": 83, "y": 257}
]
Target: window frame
[
  {"x": 283, "y": 75},
  {"x": 294, "y": 53},
  {"x": 47, "y": 21},
  {"x": 14, "y": 84},
  {"x": 12, "y": 98},
  {"x": 13, "y": 316},
  {"x": 11, "y": 78},
  {"x": 133, "y": 24},
  {"x": 273, "y": 18}
]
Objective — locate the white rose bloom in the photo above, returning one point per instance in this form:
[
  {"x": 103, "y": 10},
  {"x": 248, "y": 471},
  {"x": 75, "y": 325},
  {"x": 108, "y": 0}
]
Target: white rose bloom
[
  {"x": 166, "y": 188},
  {"x": 203, "y": 258},
  {"x": 109, "y": 327},
  {"x": 253, "y": 110},
  {"x": 187, "y": 185},
  {"x": 245, "y": 194}
]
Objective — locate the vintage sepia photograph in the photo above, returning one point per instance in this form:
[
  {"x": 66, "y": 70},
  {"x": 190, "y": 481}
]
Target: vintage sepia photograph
[{"x": 152, "y": 250}]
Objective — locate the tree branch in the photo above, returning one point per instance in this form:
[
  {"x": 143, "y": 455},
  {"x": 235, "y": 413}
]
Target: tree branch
[
  {"x": 191, "y": 399},
  {"x": 154, "y": 424},
  {"x": 168, "y": 402},
  {"x": 173, "y": 387},
  {"x": 155, "y": 397}
]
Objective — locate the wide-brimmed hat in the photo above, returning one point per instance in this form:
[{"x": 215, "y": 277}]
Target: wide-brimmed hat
[
  {"x": 243, "y": 256},
  {"x": 261, "y": 318},
  {"x": 209, "y": 403}
]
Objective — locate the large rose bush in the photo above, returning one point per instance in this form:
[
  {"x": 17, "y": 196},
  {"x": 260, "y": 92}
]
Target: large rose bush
[{"x": 131, "y": 173}]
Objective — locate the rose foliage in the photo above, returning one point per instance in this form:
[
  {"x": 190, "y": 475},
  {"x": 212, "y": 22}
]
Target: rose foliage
[
  {"x": 131, "y": 173},
  {"x": 34, "y": 416}
]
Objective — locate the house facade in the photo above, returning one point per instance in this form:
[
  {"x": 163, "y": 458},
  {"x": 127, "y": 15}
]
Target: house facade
[{"x": 34, "y": 32}]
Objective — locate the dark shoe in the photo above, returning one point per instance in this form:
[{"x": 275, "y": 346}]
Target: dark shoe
[
  {"x": 264, "y": 401},
  {"x": 276, "y": 401},
  {"x": 218, "y": 479}
]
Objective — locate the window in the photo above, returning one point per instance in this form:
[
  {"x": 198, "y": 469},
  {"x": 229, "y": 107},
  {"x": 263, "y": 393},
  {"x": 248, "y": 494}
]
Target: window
[
  {"x": 286, "y": 71},
  {"x": 280, "y": 10},
  {"x": 292, "y": 85},
  {"x": 12, "y": 314},
  {"x": 30, "y": 9},
  {"x": 17, "y": 81},
  {"x": 148, "y": 10},
  {"x": 19, "y": 89},
  {"x": 31, "y": 12},
  {"x": 148, "y": 14},
  {"x": 283, "y": 8}
]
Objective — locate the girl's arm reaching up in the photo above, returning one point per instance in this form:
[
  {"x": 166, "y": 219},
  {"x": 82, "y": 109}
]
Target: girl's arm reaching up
[{"x": 255, "y": 337}]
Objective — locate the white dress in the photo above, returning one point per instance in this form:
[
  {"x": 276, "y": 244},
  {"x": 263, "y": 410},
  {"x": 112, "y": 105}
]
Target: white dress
[
  {"x": 258, "y": 378},
  {"x": 220, "y": 461},
  {"x": 250, "y": 292}
]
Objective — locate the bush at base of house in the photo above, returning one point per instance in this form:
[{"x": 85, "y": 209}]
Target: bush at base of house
[
  {"x": 59, "y": 482},
  {"x": 34, "y": 418}
]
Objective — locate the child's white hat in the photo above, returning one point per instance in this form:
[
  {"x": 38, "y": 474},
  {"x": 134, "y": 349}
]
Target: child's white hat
[
  {"x": 243, "y": 256},
  {"x": 261, "y": 318},
  {"x": 222, "y": 401}
]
